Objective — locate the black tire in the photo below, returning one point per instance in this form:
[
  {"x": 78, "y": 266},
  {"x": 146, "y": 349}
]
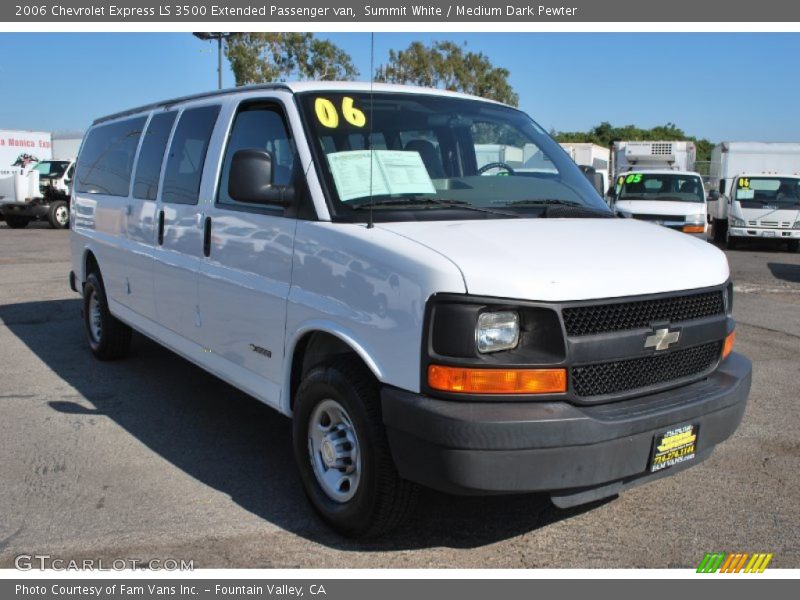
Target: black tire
[
  {"x": 109, "y": 338},
  {"x": 58, "y": 215},
  {"x": 17, "y": 222},
  {"x": 382, "y": 500},
  {"x": 720, "y": 230},
  {"x": 793, "y": 245},
  {"x": 731, "y": 243}
]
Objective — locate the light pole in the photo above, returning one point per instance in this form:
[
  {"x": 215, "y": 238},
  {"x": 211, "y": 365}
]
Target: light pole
[{"x": 220, "y": 37}]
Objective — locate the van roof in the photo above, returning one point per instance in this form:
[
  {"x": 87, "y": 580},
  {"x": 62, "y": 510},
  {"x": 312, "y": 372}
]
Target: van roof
[{"x": 297, "y": 87}]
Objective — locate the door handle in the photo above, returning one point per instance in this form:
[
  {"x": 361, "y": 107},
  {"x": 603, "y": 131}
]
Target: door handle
[
  {"x": 207, "y": 237},
  {"x": 161, "y": 228}
]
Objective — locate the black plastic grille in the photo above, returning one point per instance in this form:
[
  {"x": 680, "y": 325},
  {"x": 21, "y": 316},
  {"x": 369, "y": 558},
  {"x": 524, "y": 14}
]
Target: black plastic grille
[
  {"x": 588, "y": 320},
  {"x": 626, "y": 375}
]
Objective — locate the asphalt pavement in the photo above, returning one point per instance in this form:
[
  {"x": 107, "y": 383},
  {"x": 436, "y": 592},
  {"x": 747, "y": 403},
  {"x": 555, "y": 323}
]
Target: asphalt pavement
[{"x": 152, "y": 458}]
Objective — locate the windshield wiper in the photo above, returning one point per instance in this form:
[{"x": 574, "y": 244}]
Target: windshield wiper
[
  {"x": 435, "y": 202},
  {"x": 545, "y": 202}
]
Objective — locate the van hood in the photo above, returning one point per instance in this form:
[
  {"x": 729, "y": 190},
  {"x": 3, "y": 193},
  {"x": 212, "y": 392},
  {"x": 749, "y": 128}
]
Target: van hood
[
  {"x": 558, "y": 260},
  {"x": 661, "y": 207}
]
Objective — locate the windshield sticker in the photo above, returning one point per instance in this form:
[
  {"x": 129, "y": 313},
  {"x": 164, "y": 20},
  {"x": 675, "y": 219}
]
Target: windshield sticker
[
  {"x": 633, "y": 178},
  {"x": 744, "y": 183},
  {"x": 392, "y": 171},
  {"x": 328, "y": 116},
  {"x": 744, "y": 194}
]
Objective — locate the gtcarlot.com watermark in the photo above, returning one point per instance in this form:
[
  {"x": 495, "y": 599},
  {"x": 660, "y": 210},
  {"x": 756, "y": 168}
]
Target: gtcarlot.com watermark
[{"x": 46, "y": 562}]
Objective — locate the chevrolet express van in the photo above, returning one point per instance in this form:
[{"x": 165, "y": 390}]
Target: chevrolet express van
[{"x": 336, "y": 251}]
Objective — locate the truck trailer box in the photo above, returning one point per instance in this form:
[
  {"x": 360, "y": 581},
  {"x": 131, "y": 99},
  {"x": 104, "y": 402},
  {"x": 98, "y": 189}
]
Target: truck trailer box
[{"x": 19, "y": 149}]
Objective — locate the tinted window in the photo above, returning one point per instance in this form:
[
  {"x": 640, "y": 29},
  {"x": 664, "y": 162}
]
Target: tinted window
[
  {"x": 187, "y": 155},
  {"x": 106, "y": 160},
  {"x": 262, "y": 128},
  {"x": 148, "y": 169}
]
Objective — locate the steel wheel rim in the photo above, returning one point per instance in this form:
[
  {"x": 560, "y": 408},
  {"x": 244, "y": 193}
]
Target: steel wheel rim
[
  {"x": 62, "y": 215},
  {"x": 95, "y": 318},
  {"x": 334, "y": 451}
]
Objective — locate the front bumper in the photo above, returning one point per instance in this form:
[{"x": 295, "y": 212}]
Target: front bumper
[
  {"x": 29, "y": 210},
  {"x": 764, "y": 233},
  {"x": 578, "y": 453}
]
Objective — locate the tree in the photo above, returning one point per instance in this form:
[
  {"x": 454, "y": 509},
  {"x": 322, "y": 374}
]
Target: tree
[
  {"x": 267, "y": 57},
  {"x": 605, "y": 134},
  {"x": 448, "y": 66}
]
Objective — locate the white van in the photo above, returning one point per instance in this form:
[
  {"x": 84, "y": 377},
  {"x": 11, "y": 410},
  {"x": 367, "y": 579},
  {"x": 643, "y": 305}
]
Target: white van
[
  {"x": 335, "y": 250},
  {"x": 674, "y": 199}
]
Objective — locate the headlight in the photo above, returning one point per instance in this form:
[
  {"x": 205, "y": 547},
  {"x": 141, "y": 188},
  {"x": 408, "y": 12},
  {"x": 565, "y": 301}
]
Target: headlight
[
  {"x": 737, "y": 222},
  {"x": 497, "y": 331},
  {"x": 695, "y": 219},
  {"x": 796, "y": 225}
]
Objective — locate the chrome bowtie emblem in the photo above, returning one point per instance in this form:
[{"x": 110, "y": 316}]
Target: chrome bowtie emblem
[{"x": 662, "y": 339}]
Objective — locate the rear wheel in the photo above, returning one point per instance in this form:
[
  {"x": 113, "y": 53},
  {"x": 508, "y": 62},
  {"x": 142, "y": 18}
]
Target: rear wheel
[
  {"x": 58, "y": 215},
  {"x": 17, "y": 222},
  {"x": 109, "y": 338},
  {"x": 342, "y": 452}
]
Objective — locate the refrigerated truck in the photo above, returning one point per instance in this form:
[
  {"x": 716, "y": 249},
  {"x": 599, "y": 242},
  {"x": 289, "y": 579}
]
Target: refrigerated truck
[
  {"x": 670, "y": 155},
  {"x": 766, "y": 170}
]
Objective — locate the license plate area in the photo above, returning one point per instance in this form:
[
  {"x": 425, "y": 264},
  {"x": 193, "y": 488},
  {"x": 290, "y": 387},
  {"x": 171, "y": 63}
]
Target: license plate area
[{"x": 675, "y": 446}]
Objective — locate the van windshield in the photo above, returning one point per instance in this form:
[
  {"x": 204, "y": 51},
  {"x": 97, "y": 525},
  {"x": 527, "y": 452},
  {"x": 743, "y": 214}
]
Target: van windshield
[
  {"x": 407, "y": 154},
  {"x": 758, "y": 192},
  {"x": 660, "y": 186},
  {"x": 52, "y": 168}
]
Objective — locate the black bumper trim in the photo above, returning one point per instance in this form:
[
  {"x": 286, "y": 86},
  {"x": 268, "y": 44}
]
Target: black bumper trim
[{"x": 495, "y": 447}]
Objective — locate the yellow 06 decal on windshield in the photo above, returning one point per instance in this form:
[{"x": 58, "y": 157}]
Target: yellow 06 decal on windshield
[
  {"x": 744, "y": 182},
  {"x": 328, "y": 116}
]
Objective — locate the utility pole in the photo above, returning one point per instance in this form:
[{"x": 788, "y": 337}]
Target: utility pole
[{"x": 220, "y": 37}]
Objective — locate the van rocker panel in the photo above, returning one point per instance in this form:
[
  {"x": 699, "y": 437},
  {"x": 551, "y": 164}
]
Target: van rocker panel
[{"x": 503, "y": 447}]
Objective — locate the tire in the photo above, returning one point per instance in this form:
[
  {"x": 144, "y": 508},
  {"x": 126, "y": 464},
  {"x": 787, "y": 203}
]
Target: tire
[
  {"x": 341, "y": 399},
  {"x": 731, "y": 242},
  {"x": 109, "y": 338},
  {"x": 58, "y": 215},
  {"x": 17, "y": 222},
  {"x": 793, "y": 245},
  {"x": 720, "y": 230}
]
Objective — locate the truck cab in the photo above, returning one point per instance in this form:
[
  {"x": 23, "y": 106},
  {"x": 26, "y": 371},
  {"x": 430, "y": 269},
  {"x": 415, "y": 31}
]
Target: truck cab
[
  {"x": 674, "y": 199},
  {"x": 763, "y": 206},
  {"x": 49, "y": 201}
]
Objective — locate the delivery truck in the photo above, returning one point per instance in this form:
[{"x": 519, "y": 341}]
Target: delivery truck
[
  {"x": 671, "y": 155},
  {"x": 755, "y": 192}
]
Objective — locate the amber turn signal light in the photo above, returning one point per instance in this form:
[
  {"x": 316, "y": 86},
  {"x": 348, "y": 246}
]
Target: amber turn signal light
[
  {"x": 497, "y": 381},
  {"x": 693, "y": 229},
  {"x": 727, "y": 347}
]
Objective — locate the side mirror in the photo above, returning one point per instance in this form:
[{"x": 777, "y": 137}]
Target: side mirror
[
  {"x": 722, "y": 187},
  {"x": 251, "y": 180},
  {"x": 713, "y": 195}
]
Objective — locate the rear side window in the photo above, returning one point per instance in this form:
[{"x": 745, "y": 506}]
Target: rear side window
[
  {"x": 187, "y": 155},
  {"x": 259, "y": 127},
  {"x": 151, "y": 156},
  {"x": 107, "y": 157}
]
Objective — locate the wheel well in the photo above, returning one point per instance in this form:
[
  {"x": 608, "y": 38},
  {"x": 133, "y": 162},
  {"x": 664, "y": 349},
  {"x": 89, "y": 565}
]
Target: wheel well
[
  {"x": 314, "y": 348},
  {"x": 90, "y": 265}
]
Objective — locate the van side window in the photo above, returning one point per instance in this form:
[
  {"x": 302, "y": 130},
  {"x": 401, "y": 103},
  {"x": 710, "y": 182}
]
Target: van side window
[
  {"x": 106, "y": 160},
  {"x": 261, "y": 127},
  {"x": 187, "y": 155},
  {"x": 151, "y": 156}
]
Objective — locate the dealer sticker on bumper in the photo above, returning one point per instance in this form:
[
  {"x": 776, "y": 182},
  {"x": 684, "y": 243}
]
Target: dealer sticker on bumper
[{"x": 674, "y": 447}]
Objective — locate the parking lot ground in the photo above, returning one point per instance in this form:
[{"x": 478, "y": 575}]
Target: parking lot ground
[{"x": 152, "y": 458}]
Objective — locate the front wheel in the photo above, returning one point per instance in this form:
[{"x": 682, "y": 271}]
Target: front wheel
[
  {"x": 720, "y": 230},
  {"x": 793, "y": 245},
  {"x": 58, "y": 215},
  {"x": 342, "y": 452},
  {"x": 731, "y": 242}
]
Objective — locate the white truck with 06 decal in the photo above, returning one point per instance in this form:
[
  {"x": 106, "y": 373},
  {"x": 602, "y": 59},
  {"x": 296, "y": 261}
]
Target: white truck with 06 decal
[{"x": 338, "y": 251}]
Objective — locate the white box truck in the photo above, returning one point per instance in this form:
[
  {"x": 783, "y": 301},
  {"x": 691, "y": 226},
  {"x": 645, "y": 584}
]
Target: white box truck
[
  {"x": 756, "y": 189},
  {"x": 594, "y": 160},
  {"x": 656, "y": 182}
]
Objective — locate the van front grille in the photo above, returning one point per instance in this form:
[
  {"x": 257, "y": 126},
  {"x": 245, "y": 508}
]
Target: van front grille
[
  {"x": 627, "y": 375},
  {"x": 621, "y": 316}
]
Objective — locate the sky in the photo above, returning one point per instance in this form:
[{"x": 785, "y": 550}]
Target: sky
[{"x": 724, "y": 87}]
